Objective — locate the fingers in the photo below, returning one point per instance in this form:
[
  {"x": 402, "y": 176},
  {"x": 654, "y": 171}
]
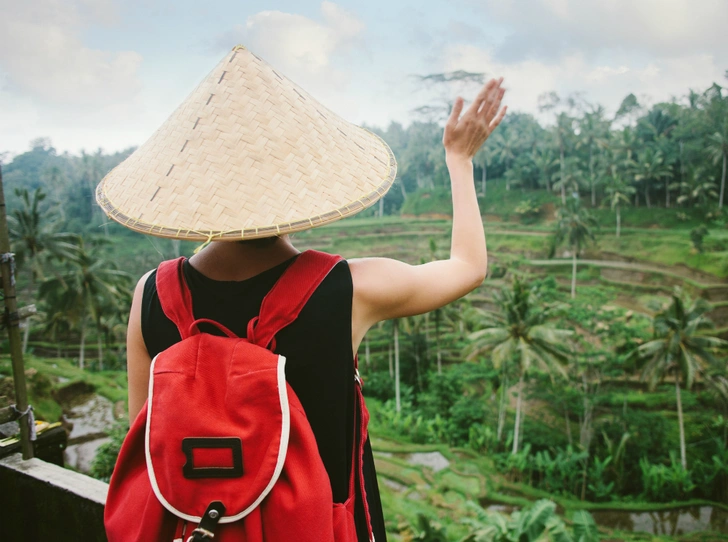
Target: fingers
[
  {"x": 482, "y": 96},
  {"x": 457, "y": 108},
  {"x": 498, "y": 118},
  {"x": 490, "y": 109}
]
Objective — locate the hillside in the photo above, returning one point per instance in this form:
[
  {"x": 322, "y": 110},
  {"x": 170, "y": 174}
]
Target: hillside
[{"x": 451, "y": 418}]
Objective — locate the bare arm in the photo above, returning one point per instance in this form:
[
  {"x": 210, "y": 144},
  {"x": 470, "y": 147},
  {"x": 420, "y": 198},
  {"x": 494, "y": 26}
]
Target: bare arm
[
  {"x": 386, "y": 288},
  {"x": 137, "y": 357}
]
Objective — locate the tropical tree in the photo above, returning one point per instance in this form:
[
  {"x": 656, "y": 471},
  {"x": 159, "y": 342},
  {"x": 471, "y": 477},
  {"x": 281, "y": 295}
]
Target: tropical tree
[
  {"x": 574, "y": 228},
  {"x": 545, "y": 162},
  {"x": 562, "y": 133},
  {"x": 34, "y": 234},
  {"x": 718, "y": 150},
  {"x": 88, "y": 285},
  {"x": 505, "y": 149},
  {"x": 649, "y": 167},
  {"x": 519, "y": 334},
  {"x": 682, "y": 347},
  {"x": 483, "y": 159},
  {"x": 594, "y": 135},
  {"x": 618, "y": 194},
  {"x": 698, "y": 188}
]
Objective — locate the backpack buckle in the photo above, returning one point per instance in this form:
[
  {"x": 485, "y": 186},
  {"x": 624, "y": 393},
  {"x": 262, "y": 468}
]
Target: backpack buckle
[
  {"x": 357, "y": 377},
  {"x": 205, "y": 530}
]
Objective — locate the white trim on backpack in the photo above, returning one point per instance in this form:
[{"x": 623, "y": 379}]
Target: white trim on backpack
[{"x": 282, "y": 449}]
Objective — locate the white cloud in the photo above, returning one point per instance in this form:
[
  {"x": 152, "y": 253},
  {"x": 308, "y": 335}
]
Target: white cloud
[
  {"x": 305, "y": 50},
  {"x": 42, "y": 55},
  {"x": 662, "y": 28},
  {"x": 608, "y": 84}
]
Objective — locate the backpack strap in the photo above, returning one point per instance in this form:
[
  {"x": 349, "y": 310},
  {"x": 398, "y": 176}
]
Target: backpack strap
[
  {"x": 284, "y": 302},
  {"x": 174, "y": 295}
]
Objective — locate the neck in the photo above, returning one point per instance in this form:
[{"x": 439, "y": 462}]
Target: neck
[{"x": 225, "y": 260}]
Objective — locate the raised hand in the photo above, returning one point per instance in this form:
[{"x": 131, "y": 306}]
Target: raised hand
[{"x": 465, "y": 135}]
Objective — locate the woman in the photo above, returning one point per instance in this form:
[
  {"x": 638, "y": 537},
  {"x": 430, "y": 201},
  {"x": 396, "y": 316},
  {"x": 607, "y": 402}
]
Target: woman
[{"x": 228, "y": 281}]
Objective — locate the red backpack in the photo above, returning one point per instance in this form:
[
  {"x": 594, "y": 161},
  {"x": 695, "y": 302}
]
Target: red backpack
[{"x": 222, "y": 449}]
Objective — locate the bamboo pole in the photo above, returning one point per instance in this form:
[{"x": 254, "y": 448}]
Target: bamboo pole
[{"x": 12, "y": 321}]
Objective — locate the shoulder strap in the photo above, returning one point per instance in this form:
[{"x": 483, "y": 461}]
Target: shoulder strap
[
  {"x": 174, "y": 295},
  {"x": 284, "y": 302}
]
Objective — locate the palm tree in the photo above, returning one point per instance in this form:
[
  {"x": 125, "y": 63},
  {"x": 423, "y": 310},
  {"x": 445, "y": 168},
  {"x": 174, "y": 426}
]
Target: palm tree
[
  {"x": 504, "y": 149},
  {"x": 518, "y": 333},
  {"x": 718, "y": 149},
  {"x": 593, "y": 132},
  {"x": 682, "y": 347},
  {"x": 397, "y": 394},
  {"x": 618, "y": 193},
  {"x": 483, "y": 159},
  {"x": 34, "y": 234},
  {"x": 569, "y": 177},
  {"x": 88, "y": 285},
  {"x": 697, "y": 189},
  {"x": 562, "y": 133},
  {"x": 544, "y": 161},
  {"x": 649, "y": 167},
  {"x": 34, "y": 231},
  {"x": 573, "y": 227}
]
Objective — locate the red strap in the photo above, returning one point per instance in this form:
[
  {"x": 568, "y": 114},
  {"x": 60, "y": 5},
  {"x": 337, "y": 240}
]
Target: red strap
[
  {"x": 175, "y": 296},
  {"x": 361, "y": 421},
  {"x": 284, "y": 302}
]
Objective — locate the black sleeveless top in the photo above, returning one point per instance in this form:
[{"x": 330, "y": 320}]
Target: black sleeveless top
[{"x": 319, "y": 368}]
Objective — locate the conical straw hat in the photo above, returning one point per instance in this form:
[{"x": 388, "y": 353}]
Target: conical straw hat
[{"x": 248, "y": 154}]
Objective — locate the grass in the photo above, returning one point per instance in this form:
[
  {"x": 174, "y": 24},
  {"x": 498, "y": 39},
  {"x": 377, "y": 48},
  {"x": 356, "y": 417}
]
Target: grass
[{"x": 60, "y": 373}]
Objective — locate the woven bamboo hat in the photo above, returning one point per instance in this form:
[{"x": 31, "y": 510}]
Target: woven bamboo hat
[{"x": 248, "y": 154}]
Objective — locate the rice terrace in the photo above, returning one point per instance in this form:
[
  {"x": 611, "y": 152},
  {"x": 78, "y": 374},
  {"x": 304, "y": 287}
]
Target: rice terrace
[{"x": 580, "y": 393}]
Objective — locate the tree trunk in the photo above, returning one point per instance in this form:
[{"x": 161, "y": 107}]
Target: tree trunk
[
  {"x": 482, "y": 180},
  {"x": 518, "y": 415},
  {"x": 585, "y": 434},
  {"x": 502, "y": 407},
  {"x": 683, "y": 459},
  {"x": 573, "y": 273},
  {"x": 563, "y": 186},
  {"x": 367, "y": 357},
  {"x": 647, "y": 195},
  {"x": 26, "y": 331},
  {"x": 568, "y": 425},
  {"x": 667, "y": 193},
  {"x": 391, "y": 366},
  {"x": 101, "y": 353},
  {"x": 381, "y": 207},
  {"x": 26, "y": 334},
  {"x": 401, "y": 187},
  {"x": 722, "y": 183},
  {"x": 591, "y": 177},
  {"x": 619, "y": 221},
  {"x": 437, "y": 342},
  {"x": 82, "y": 350},
  {"x": 397, "y": 399}
]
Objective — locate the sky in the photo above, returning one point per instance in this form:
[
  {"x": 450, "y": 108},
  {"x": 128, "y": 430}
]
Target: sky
[{"x": 90, "y": 74}]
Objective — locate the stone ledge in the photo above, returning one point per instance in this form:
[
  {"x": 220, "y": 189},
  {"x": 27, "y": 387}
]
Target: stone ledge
[{"x": 42, "y": 501}]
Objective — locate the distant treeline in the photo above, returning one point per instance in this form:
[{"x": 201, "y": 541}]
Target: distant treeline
[{"x": 673, "y": 153}]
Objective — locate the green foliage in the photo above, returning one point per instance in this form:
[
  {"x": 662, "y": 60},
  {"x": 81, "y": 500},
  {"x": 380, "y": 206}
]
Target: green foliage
[
  {"x": 697, "y": 235},
  {"x": 666, "y": 483},
  {"x": 103, "y": 464},
  {"x": 535, "y": 523},
  {"x": 427, "y": 530},
  {"x": 528, "y": 211}
]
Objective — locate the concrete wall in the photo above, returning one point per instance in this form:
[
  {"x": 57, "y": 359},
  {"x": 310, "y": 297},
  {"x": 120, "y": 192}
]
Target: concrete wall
[{"x": 44, "y": 502}]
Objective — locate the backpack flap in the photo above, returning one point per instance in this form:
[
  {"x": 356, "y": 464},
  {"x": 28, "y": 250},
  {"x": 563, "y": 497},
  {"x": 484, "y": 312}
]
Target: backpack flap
[{"x": 218, "y": 423}]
